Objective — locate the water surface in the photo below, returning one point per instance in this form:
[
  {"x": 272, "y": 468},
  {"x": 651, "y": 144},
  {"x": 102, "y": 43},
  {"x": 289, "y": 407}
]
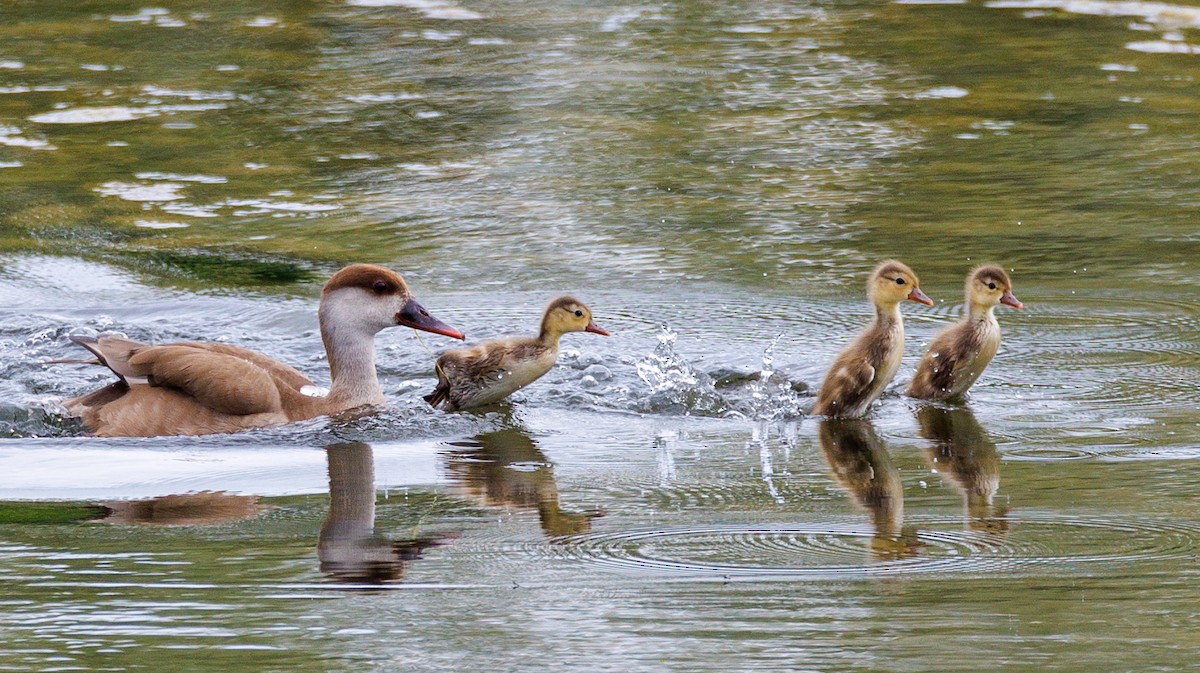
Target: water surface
[{"x": 715, "y": 180}]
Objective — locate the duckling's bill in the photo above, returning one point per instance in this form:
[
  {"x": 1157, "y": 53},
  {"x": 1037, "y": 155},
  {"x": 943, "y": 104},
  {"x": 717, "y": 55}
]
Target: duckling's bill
[
  {"x": 596, "y": 329},
  {"x": 920, "y": 297},
  {"x": 1008, "y": 299},
  {"x": 415, "y": 316}
]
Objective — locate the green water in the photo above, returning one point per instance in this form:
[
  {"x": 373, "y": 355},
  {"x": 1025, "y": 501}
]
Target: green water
[{"x": 715, "y": 180}]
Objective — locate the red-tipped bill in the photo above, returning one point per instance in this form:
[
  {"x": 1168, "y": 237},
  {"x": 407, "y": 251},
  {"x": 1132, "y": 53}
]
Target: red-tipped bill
[
  {"x": 920, "y": 297},
  {"x": 1009, "y": 300},
  {"x": 596, "y": 329},
  {"x": 415, "y": 316}
]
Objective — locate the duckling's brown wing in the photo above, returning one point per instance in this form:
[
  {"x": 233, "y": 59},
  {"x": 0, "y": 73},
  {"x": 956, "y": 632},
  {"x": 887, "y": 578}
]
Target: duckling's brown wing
[
  {"x": 849, "y": 380},
  {"x": 947, "y": 356},
  {"x": 224, "y": 383}
]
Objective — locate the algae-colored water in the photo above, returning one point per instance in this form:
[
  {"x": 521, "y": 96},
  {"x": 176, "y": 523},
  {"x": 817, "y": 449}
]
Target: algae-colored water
[{"x": 715, "y": 180}]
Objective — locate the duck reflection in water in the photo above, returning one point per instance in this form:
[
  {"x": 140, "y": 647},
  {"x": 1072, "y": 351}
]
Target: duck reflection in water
[
  {"x": 506, "y": 467},
  {"x": 348, "y": 547},
  {"x": 966, "y": 459},
  {"x": 860, "y": 463},
  {"x": 186, "y": 509}
]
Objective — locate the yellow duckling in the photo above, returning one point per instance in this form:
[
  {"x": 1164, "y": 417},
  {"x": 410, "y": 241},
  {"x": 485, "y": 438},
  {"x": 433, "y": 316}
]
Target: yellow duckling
[
  {"x": 959, "y": 354},
  {"x": 493, "y": 370},
  {"x": 862, "y": 371}
]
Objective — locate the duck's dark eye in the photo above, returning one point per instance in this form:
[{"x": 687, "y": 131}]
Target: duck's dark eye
[
  {"x": 578, "y": 313},
  {"x": 379, "y": 287},
  {"x": 991, "y": 286},
  {"x": 899, "y": 281}
]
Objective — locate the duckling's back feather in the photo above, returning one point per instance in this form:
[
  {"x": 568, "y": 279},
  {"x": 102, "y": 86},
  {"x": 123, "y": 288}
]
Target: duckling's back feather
[{"x": 955, "y": 359}]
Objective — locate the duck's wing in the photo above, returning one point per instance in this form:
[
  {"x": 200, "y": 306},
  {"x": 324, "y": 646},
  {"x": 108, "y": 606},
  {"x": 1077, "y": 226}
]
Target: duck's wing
[
  {"x": 282, "y": 373},
  {"x": 948, "y": 357},
  {"x": 848, "y": 381},
  {"x": 441, "y": 392},
  {"x": 222, "y": 382}
]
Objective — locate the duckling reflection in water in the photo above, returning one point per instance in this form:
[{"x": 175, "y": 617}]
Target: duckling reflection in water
[
  {"x": 493, "y": 370},
  {"x": 348, "y": 547},
  {"x": 506, "y": 467},
  {"x": 959, "y": 353},
  {"x": 966, "y": 459},
  {"x": 861, "y": 465}
]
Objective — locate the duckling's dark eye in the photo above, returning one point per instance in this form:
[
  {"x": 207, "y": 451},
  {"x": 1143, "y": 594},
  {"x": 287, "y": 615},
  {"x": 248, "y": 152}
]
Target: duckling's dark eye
[
  {"x": 899, "y": 281},
  {"x": 578, "y": 313},
  {"x": 379, "y": 287},
  {"x": 991, "y": 286}
]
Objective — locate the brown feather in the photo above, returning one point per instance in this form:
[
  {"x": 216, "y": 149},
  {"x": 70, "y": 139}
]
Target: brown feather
[{"x": 223, "y": 383}]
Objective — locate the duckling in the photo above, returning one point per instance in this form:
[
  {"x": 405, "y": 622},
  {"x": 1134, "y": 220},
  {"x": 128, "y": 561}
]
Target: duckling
[
  {"x": 959, "y": 354},
  {"x": 862, "y": 371},
  {"x": 493, "y": 370},
  {"x": 203, "y": 388}
]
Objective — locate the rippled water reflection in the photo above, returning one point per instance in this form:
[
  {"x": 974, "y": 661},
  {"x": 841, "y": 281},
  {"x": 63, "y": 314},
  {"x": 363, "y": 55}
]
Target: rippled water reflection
[{"x": 715, "y": 180}]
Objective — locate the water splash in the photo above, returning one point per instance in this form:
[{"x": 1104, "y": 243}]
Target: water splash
[
  {"x": 772, "y": 395},
  {"x": 674, "y": 384}
]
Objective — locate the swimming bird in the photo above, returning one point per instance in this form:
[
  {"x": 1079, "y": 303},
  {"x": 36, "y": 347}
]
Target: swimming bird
[
  {"x": 959, "y": 354},
  {"x": 861, "y": 372},
  {"x": 202, "y": 388},
  {"x": 493, "y": 370}
]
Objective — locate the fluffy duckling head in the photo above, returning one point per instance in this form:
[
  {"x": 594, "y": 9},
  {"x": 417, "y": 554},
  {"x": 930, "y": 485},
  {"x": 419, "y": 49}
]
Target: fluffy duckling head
[
  {"x": 892, "y": 282},
  {"x": 988, "y": 285},
  {"x": 568, "y": 314}
]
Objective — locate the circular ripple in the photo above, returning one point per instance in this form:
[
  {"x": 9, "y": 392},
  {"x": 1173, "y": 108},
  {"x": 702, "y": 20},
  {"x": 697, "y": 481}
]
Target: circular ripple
[{"x": 936, "y": 545}]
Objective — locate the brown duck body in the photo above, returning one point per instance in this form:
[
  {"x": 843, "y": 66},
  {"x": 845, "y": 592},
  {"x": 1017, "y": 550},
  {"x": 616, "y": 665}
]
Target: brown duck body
[
  {"x": 204, "y": 388},
  {"x": 493, "y": 370},
  {"x": 862, "y": 371},
  {"x": 958, "y": 355},
  {"x": 191, "y": 389}
]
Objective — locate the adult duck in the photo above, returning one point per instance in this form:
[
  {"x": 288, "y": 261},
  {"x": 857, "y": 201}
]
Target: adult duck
[{"x": 198, "y": 388}]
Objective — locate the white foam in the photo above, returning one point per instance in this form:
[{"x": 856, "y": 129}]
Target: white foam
[
  {"x": 129, "y": 191},
  {"x": 11, "y": 65},
  {"x": 10, "y": 137},
  {"x": 261, "y": 205},
  {"x": 1159, "y": 13},
  {"x": 190, "y": 210},
  {"x": 155, "y": 224},
  {"x": 164, "y": 92},
  {"x": 367, "y": 98},
  {"x": 1163, "y": 47},
  {"x": 943, "y": 92},
  {"x": 92, "y": 115},
  {"x": 11, "y": 164},
  {"x": 116, "y": 113},
  {"x": 432, "y": 9},
  {"x": 176, "y": 177},
  {"x": 263, "y": 22}
]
